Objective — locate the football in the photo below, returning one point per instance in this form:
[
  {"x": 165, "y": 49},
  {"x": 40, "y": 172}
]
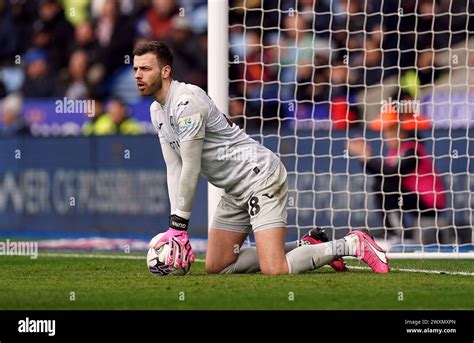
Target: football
[{"x": 156, "y": 258}]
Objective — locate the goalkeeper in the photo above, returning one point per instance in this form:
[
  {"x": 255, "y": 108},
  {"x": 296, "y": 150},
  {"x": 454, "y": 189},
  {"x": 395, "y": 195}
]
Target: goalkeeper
[{"x": 196, "y": 138}]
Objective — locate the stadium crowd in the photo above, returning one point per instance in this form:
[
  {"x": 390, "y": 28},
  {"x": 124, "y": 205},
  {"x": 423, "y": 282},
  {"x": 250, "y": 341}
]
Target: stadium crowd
[
  {"x": 308, "y": 59},
  {"x": 82, "y": 50},
  {"x": 288, "y": 58}
]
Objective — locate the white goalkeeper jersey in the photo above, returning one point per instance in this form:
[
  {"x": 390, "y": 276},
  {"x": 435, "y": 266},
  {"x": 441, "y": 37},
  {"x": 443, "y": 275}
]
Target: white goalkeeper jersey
[{"x": 231, "y": 160}]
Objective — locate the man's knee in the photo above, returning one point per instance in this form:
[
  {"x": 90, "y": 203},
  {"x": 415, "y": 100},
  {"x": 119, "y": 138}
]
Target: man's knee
[
  {"x": 280, "y": 268},
  {"x": 221, "y": 250},
  {"x": 213, "y": 267},
  {"x": 271, "y": 251}
]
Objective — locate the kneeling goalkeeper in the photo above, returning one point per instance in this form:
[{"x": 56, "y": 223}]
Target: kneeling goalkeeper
[{"x": 196, "y": 138}]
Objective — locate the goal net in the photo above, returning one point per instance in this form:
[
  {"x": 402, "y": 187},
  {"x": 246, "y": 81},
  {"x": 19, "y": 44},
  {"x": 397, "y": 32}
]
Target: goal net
[{"x": 369, "y": 105}]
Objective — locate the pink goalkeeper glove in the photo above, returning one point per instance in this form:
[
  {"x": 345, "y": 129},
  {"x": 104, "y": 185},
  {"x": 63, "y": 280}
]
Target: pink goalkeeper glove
[{"x": 181, "y": 253}]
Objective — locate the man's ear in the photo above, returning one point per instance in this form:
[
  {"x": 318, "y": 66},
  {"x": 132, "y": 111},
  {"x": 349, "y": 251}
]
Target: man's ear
[{"x": 166, "y": 71}]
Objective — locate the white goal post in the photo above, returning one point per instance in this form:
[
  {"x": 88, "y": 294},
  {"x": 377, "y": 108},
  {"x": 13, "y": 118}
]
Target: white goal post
[
  {"x": 217, "y": 75},
  {"x": 304, "y": 77}
]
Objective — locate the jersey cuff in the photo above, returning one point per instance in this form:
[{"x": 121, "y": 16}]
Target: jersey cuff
[{"x": 182, "y": 214}]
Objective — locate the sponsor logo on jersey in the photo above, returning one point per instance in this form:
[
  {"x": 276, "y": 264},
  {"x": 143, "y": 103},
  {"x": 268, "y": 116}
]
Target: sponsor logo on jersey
[
  {"x": 189, "y": 121},
  {"x": 183, "y": 103}
]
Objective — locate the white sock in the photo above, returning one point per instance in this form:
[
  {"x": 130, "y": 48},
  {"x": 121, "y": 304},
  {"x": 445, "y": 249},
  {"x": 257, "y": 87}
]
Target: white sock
[
  {"x": 247, "y": 261},
  {"x": 309, "y": 257}
]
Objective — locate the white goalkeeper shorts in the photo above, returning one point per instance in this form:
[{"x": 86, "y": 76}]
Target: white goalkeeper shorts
[{"x": 264, "y": 208}]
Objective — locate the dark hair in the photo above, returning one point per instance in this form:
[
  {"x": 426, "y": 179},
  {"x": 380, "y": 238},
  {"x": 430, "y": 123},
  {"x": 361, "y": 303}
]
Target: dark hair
[
  {"x": 159, "y": 49},
  {"x": 117, "y": 99}
]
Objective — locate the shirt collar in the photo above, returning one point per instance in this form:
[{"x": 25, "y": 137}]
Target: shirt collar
[{"x": 167, "y": 100}]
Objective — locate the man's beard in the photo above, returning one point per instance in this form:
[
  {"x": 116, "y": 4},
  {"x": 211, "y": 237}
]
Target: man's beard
[{"x": 155, "y": 86}]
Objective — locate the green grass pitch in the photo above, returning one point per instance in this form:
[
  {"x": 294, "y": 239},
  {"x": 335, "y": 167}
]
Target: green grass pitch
[{"x": 111, "y": 283}]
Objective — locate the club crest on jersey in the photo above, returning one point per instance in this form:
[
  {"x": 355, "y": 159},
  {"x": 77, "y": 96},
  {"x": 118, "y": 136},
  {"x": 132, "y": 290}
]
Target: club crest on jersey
[{"x": 189, "y": 121}]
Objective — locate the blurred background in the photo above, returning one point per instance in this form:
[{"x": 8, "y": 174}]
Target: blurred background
[{"x": 78, "y": 154}]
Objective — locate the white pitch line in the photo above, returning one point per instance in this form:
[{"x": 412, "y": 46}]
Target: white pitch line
[
  {"x": 134, "y": 257},
  {"x": 116, "y": 257},
  {"x": 424, "y": 271}
]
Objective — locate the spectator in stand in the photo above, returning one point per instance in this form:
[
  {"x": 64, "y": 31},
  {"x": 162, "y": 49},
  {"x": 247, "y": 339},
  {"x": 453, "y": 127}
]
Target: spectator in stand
[
  {"x": 115, "y": 37},
  {"x": 428, "y": 72},
  {"x": 72, "y": 82},
  {"x": 367, "y": 69},
  {"x": 9, "y": 33},
  {"x": 304, "y": 75},
  {"x": 24, "y": 15},
  {"x": 350, "y": 16},
  {"x": 299, "y": 50},
  {"x": 38, "y": 82},
  {"x": 343, "y": 114},
  {"x": 85, "y": 39},
  {"x": 425, "y": 74},
  {"x": 115, "y": 122},
  {"x": 156, "y": 24},
  {"x": 313, "y": 95},
  {"x": 184, "y": 44},
  {"x": 406, "y": 180},
  {"x": 259, "y": 90},
  {"x": 100, "y": 124},
  {"x": 12, "y": 121},
  {"x": 123, "y": 123},
  {"x": 53, "y": 33},
  {"x": 455, "y": 21}
]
